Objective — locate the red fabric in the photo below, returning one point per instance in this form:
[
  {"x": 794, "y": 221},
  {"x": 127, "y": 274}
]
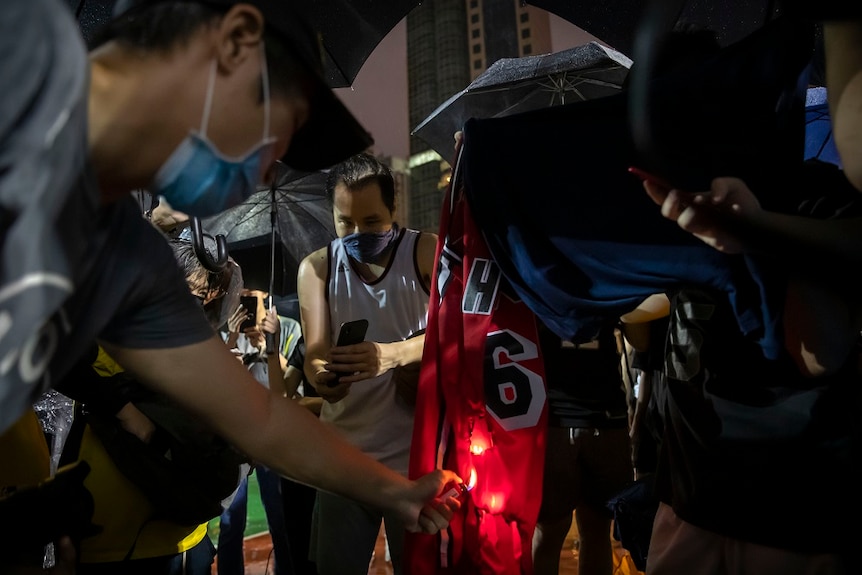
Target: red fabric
[{"x": 482, "y": 383}]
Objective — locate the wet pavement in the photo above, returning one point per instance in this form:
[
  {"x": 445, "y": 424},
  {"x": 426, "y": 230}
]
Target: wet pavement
[{"x": 258, "y": 560}]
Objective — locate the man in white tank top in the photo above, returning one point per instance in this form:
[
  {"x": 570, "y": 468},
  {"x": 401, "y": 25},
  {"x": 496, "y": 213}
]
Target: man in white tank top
[{"x": 381, "y": 273}]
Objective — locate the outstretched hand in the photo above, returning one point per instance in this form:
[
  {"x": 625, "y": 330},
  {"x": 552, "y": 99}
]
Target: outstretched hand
[
  {"x": 426, "y": 512},
  {"x": 716, "y": 217}
]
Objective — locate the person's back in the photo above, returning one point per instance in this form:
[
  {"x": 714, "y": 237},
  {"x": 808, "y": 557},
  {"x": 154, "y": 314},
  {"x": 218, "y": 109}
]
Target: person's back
[
  {"x": 588, "y": 454},
  {"x": 752, "y": 450}
]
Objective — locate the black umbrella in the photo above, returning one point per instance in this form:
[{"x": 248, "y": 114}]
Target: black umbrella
[
  {"x": 349, "y": 29},
  {"x": 616, "y": 21},
  {"x": 91, "y": 15},
  {"x": 515, "y": 85},
  {"x": 275, "y": 228}
]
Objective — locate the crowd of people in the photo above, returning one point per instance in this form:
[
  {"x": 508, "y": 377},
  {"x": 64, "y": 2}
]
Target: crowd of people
[{"x": 183, "y": 382}]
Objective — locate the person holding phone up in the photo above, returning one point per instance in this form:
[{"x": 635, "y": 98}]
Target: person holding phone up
[
  {"x": 374, "y": 271},
  {"x": 263, "y": 341}
]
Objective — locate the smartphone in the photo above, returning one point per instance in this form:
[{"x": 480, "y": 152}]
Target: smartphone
[
  {"x": 352, "y": 332},
  {"x": 249, "y": 302},
  {"x": 652, "y": 178}
]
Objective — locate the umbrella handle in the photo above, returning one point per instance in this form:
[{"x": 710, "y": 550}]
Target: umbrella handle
[
  {"x": 206, "y": 260},
  {"x": 657, "y": 18}
]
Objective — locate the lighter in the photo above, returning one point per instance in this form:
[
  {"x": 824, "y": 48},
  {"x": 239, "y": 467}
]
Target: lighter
[{"x": 458, "y": 491}]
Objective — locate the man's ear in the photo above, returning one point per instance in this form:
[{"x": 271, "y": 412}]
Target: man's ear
[{"x": 239, "y": 35}]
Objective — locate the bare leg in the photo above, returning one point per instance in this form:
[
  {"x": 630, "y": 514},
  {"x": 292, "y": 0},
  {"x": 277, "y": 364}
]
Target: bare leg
[
  {"x": 595, "y": 555},
  {"x": 548, "y": 540}
]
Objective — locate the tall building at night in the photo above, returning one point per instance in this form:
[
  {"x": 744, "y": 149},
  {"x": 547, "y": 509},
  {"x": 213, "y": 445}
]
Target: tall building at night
[{"x": 449, "y": 43}]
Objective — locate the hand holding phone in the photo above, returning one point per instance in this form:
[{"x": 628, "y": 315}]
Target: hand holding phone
[
  {"x": 350, "y": 333},
  {"x": 250, "y": 304}
]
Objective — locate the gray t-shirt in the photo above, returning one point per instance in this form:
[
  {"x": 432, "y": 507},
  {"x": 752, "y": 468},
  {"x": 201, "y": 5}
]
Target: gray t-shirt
[
  {"x": 132, "y": 295},
  {"x": 69, "y": 271}
]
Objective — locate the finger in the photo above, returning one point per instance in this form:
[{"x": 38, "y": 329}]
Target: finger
[
  {"x": 656, "y": 193},
  {"x": 675, "y": 204},
  {"x": 354, "y": 377},
  {"x": 436, "y": 515},
  {"x": 346, "y": 350},
  {"x": 345, "y": 366},
  {"x": 448, "y": 476},
  {"x": 720, "y": 190}
]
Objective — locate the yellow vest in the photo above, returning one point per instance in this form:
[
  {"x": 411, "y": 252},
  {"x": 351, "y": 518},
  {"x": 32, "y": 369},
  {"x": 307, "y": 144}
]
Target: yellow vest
[
  {"x": 121, "y": 510},
  {"x": 124, "y": 514}
]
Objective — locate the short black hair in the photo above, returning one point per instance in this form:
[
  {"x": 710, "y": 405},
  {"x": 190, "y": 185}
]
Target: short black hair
[
  {"x": 359, "y": 170},
  {"x": 162, "y": 26},
  {"x": 191, "y": 266}
]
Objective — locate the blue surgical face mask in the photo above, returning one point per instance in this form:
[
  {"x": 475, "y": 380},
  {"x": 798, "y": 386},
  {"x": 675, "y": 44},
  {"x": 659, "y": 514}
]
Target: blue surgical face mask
[
  {"x": 370, "y": 248},
  {"x": 199, "y": 180}
]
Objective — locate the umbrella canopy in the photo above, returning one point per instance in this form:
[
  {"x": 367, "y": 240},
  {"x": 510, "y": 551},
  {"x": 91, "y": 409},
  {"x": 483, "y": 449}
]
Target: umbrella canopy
[
  {"x": 514, "y": 85},
  {"x": 349, "y": 29},
  {"x": 301, "y": 222},
  {"x": 616, "y": 21}
]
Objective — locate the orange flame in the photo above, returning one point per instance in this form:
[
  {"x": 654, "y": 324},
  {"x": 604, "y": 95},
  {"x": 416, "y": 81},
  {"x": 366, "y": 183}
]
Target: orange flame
[
  {"x": 496, "y": 503},
  {"x": 471, "y": 483}
]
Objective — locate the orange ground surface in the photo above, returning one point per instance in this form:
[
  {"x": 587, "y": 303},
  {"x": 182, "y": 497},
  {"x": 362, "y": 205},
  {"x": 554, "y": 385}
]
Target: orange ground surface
[{"x": 257, "y": 553}]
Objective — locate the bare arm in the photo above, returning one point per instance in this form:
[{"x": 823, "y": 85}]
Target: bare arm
[
  {"x": 314, "y": 312},
  {"x": 822, "y": 313},
  {"x": 729, "y": 218},
  {"x": 637, "y": 334},
  {"x": 292, "y": 379},
  {"x": 276, "y": 363},
  {"x": 843, "y": 47},
  {"x": 426, "y": 252},
  {"x": 208, "y": 381}
]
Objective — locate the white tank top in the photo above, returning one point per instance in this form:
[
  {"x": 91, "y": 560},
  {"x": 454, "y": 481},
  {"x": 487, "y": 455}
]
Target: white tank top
[{"x": 372, "y": 416}]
